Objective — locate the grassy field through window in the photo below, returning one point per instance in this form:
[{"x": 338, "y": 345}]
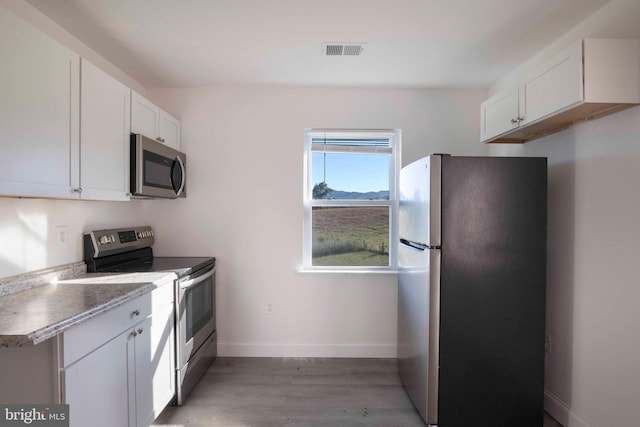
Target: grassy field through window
[{"x": 350, "y": 236}]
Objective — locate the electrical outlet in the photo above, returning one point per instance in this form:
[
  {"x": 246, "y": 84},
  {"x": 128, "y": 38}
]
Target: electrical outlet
[
  {"x": 268, "y": 308},
  {"x": 62, "y": 235}
]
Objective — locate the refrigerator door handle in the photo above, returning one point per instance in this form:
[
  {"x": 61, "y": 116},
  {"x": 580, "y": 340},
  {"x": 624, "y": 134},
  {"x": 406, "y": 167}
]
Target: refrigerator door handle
[
  {"x": 417, "y": 245},
  {"x": 413, "y": 245}
]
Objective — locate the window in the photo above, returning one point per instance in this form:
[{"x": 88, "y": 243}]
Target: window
[{"x": 350, "y": 200}]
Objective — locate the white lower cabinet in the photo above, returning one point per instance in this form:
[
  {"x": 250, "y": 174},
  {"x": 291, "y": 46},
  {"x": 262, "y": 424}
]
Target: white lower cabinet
[
  {"x": 154, "y": 365},
  {"x": 97, "y": 387},
  {"x": 130, "y": 379}
]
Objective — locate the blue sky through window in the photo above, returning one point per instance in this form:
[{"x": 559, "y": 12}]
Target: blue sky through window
[{"x": 352, "y": 172}]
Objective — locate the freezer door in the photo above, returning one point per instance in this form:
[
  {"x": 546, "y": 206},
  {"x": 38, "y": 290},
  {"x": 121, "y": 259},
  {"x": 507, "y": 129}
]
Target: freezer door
[{"x": 420, "y": 202}]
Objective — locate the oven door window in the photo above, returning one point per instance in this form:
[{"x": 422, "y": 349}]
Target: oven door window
[
  {"x": 199, "y": 307},
  {"x": 157, "y": 170}
]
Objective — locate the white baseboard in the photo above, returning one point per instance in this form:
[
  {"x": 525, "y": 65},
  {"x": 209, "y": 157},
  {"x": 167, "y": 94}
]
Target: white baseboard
[
  {"x": 561, "y": 412},
  {"x": 306, "y": 350}
]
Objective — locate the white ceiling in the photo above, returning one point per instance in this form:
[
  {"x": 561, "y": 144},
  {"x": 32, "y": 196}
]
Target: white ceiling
[{"x": 409, "y": 43}]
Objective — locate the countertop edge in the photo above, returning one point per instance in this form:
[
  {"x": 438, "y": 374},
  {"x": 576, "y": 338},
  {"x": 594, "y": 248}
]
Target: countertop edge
[
  {"x": 41, "y": 334},
  {"x": 51, "y": 331},
  {"x": 21, "y": 282}
]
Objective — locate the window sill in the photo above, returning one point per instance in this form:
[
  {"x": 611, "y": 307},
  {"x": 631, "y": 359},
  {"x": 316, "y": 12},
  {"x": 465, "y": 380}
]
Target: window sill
[{"x": 307, "y": 270}]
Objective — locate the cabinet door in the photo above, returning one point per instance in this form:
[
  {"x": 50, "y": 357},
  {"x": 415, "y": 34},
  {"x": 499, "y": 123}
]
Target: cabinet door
[
  {"x": 155, "y": 365},
  {"x": 104, "y": 135},
  {"x": 169, "y": 130},
  {"x": 98, "y": 386},
  {"x": 499, "y": 114},
  {"x": 39, "y": 101},
  {"x": 553, "y": 86},
  {"x": 145, "y": 116}
]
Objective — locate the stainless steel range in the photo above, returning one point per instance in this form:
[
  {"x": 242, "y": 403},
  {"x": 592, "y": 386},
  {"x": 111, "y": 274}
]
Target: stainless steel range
[{"x": 129, "y": 250}]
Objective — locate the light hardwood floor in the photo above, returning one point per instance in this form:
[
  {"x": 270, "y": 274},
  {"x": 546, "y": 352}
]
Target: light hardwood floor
[{"x": 298, "y": 392}]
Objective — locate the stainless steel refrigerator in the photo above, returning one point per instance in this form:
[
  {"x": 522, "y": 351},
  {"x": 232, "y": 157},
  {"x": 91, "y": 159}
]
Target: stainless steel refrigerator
[{"x": 471, "y": 291}]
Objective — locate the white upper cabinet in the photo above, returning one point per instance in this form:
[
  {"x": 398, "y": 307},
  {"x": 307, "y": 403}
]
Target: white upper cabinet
[
  {"x": 39, "y": 112},
  {"x": 104, "y": 135},
  {"x": 587, "y": 80},
  {"x": 144, "y": 116},
  {"x": 555, "y": 85},
  {"x": 169, "y": 130},
  {"x": 64, "y": 123},
  {"x": 149, "y": 120},
  {"x": 499, "y": 113}
]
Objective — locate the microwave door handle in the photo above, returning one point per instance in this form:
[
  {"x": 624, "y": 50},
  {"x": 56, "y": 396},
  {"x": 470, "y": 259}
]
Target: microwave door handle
[
  {"x": 193, "y": 282},
  {"x": 184, "y": 177}
]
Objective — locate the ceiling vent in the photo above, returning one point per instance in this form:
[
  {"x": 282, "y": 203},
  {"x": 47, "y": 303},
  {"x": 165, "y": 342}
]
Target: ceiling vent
[{"x": 342, "y": 49}]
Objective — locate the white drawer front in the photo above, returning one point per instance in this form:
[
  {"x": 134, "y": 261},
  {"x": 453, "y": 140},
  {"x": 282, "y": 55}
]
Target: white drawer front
[{"x": 87, "y": 336}]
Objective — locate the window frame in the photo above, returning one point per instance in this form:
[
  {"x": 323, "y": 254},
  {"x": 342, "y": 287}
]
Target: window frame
[{"x": 394, "y": 136}]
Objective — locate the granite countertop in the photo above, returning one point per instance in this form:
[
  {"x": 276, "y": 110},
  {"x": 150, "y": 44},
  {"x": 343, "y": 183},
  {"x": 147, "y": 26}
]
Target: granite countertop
[{"x": 35, "y": 314}]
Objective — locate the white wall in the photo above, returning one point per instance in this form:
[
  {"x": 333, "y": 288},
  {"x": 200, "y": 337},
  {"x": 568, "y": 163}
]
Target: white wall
[
  {"x": 592, "y": 373},
  {"x": 29, "y": 230},
  {"x": 244, "y": 149}
]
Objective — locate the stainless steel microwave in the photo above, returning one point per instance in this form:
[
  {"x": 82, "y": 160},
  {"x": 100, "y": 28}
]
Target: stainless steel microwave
[{"x": 156, "y": 170}]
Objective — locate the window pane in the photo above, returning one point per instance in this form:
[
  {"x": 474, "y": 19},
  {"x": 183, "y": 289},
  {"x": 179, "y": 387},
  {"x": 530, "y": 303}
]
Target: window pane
[
  {"x": 350, "y": 176},
  {"x": 350, "y": 236}
]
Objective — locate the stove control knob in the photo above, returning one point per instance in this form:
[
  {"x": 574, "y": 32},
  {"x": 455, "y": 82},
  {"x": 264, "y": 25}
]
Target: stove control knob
[
  {"x": 103, "y": 240},
  {"x": 112, "y": 239},
  {"x": 140, "y": 236}
]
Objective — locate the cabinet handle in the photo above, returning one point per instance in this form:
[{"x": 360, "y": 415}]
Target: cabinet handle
[
  {"x": 515, "y": 121},
  {"x": 520, "y": 119},
  {"x": 136, "y": 312},
  {"x": 77, "y": 190},
  {"x": 140, "y": 330},
  {"x": 134, "y": 334}
]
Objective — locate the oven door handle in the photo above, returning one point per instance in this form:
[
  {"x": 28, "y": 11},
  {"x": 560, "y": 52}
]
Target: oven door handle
[{"x": 184, "y": 285}]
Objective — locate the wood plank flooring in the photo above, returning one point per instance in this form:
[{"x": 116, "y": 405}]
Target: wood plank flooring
[{"x": 298, "y": 392}]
